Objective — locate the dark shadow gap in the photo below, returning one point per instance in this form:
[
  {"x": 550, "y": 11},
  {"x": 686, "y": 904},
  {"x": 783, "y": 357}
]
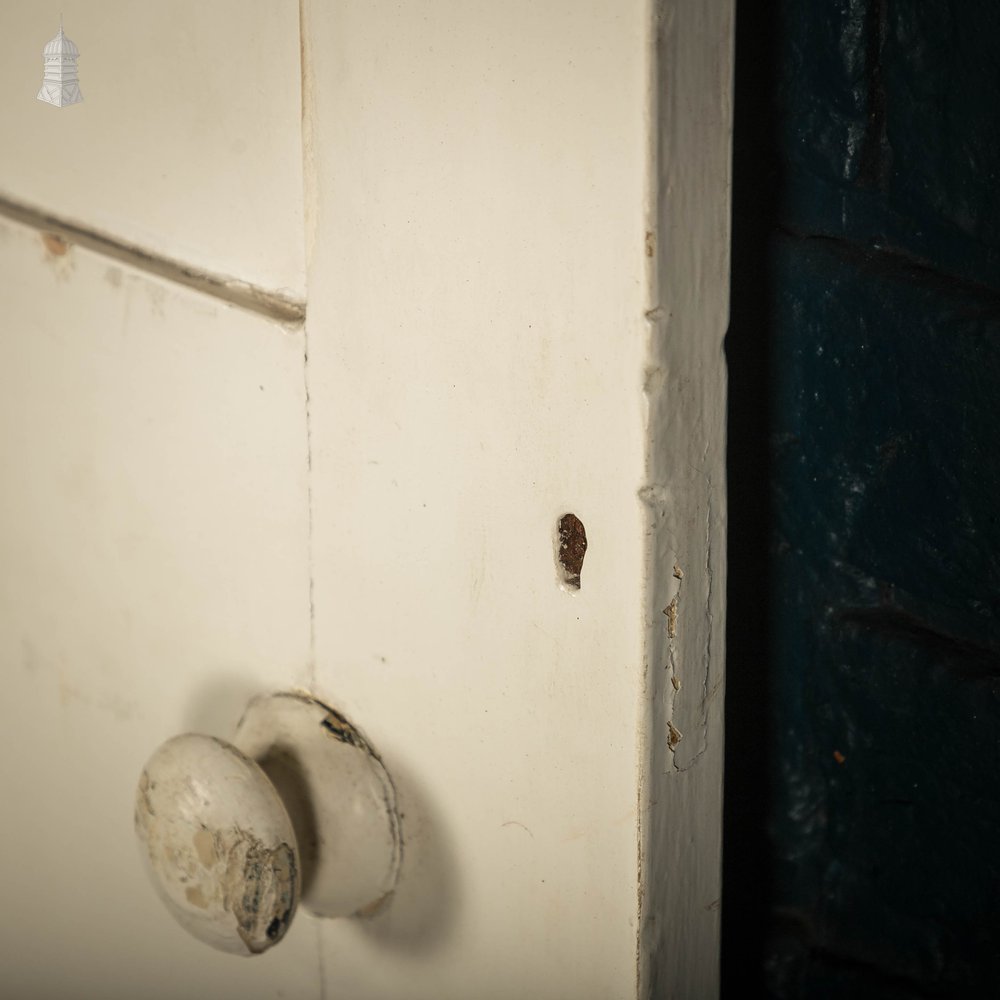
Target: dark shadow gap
[{"x": 747, "y": 878}]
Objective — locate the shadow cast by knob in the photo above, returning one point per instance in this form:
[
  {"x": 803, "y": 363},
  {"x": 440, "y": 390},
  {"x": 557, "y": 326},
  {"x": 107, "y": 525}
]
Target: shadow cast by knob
[
  {"x": 422, "y": 912},
  {"x": 284, "y": 770}
]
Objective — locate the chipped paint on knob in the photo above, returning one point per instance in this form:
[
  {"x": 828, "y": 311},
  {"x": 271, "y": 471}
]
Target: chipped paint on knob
[
  {"x": 350, "y": 832},
  {"x": 218, "y": 844}
]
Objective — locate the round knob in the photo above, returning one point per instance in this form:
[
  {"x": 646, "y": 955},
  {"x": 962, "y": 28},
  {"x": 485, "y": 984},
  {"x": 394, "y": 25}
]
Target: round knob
[
  {"x": 218, "y": 843},
  {"x": 300, "y": 805}
]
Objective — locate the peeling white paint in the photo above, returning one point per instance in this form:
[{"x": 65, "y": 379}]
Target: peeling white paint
[
  {"x": 218, "y": 844},
  {"x": 686, "y": 526},
  {"x": 339, "y": 795}
]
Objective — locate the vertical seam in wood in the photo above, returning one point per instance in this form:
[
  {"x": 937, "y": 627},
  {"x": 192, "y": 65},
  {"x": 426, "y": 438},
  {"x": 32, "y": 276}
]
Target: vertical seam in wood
[
  {"x": 308, "y": 191},
  {"x": 308, "y": 239}
]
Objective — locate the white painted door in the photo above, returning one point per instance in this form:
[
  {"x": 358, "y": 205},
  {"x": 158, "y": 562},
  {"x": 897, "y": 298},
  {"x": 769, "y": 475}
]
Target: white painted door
[{"x": 506, "y": 227}]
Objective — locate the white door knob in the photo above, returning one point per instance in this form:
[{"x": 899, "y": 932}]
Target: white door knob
[{"x": 298, "y": 806}]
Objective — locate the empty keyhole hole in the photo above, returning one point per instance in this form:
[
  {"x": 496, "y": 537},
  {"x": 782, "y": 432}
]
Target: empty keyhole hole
[{"x": 572, "y": 547}]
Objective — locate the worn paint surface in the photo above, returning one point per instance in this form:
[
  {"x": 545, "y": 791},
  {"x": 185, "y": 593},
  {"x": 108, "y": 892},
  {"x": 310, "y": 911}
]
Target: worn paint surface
[
  {"x": 685, "y": 505},
  {"x": 364, "y": 507},
  {"x": 341, "y": 800},
  {"x": 218, "y": 844}
]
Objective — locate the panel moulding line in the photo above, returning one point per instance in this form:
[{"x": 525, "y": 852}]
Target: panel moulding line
[{"x": 265, "y": 302}]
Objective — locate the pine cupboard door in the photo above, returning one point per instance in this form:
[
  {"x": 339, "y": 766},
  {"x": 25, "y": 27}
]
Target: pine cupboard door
[{"x": 354, "y": 446}]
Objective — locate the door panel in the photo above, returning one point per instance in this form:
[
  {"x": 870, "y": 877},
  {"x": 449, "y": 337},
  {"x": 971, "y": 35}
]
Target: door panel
[
  {"x": 152, "y": 577},
  {"x": 188, "y": 140},
  {"x": 472, "y": 379}
]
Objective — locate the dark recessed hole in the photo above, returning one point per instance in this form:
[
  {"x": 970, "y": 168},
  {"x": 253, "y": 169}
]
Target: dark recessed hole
[{"x": 572, "y": 549}]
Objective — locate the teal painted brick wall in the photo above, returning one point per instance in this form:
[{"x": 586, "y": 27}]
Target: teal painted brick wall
[{"x": 865, "y": 361}]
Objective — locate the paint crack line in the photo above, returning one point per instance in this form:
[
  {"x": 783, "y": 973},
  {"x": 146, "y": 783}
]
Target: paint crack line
[{"x": 309, "y": 507}]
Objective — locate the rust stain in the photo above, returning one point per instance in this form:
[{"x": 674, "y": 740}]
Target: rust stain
[
  {"x": 55, "y": 244},
  {"x": 839, "y": 757},
  {"x": 650, "y": 243},
  {"x": 572, "y": 548}
]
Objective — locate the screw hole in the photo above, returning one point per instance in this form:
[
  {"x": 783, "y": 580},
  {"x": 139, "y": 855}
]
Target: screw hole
[{"x": 572, "y": 538}]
